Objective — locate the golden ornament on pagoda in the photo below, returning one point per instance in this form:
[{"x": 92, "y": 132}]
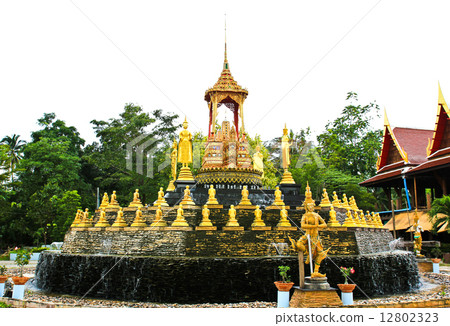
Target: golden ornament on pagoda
[
  {"x": 308, "y": 196},
  {"x": 285, "y": 158},
  {"x": 244, "y": 199},
  {"x": 187, "y": 200},
  {"x": 212, "y": 196},
  {"x": 325, "y": 202},
  {"x": 311, "y": 224},
  {"x": 205, "y": 217},
  {"x": 139, "y": 221},
  {"x": 258, "y": 218},
  {"x": 105, "y": 201},
  {"x": 77, "y": 219},
  {"x": 180, "y": 220},
  {"x": 102, "y": 221},
  {"x": 232, "y": 221},
  {"x": 258, "y": 164},
  {"x": 333, "y": 222},
  {"x": 173, "y": 165},
  {"x": 345, "y": 203},
  {"x": 336, "y": 202},
  {"x": 119, "y": 222},
  {"x": 349, "y": 222},
  {"x": 136, "y": 201},
  {"x": 159, "y": 221},
  {"x": 86, "y": 222},
  {"x": 161, "y": 201},
  {"x": 284, "y": 222},
  {"x": 352, "y": 204},
  {"x": 185, "y": 153},
  {"x": 113, "y": 203}
]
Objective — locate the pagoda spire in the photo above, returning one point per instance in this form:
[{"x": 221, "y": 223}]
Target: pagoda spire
[
  {"x": 441, "y": 100},
  {"x": 225, "y": 61}
]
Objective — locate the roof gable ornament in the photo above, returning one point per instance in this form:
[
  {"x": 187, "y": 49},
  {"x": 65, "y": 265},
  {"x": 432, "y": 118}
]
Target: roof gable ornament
[{"x": 443, "y": 113}]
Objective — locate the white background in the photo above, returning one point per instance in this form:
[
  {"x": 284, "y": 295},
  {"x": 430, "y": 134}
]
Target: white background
[{"x": 84, "y": 60}]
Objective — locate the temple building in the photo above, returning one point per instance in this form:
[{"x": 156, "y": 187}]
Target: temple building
[{"x": 415, "y": 163}]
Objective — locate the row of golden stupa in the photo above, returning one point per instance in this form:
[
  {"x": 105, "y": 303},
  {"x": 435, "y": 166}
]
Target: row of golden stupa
[{"x": 355, "y": 216}]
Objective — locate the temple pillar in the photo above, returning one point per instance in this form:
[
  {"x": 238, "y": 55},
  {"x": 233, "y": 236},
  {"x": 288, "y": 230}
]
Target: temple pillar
[{"x": 399, "y": 197}]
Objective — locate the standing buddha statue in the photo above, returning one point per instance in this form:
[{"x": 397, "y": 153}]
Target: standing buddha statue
[{"x": 185, "y": 153}]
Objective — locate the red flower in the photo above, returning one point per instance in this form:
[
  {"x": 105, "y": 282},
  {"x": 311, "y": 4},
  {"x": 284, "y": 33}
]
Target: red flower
[{"x": 352, "y": 271}]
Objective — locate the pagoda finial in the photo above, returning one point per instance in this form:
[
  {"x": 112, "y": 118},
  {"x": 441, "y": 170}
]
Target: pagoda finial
[
  {"x": 386, "y": 121},
  {"x": 225, "y": 61},
  {"x": 441, "y": 100}
]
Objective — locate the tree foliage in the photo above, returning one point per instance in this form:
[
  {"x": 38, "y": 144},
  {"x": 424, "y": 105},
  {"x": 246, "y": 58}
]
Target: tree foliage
[{"x": 440, "y": 206}]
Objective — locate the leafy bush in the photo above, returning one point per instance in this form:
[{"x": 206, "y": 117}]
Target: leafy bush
[
  {"x": 283, "y": 273},
  {"x": 3, "y": 270},
  {"x": 39, "y": 249},
  {"x": 4, "y": 305},
  {"x": 22, "y": 259}
]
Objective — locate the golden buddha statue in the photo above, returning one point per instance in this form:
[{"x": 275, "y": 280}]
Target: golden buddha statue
[
  {"x": 333, "y": 222},
  {"x": 185, "y": 153},
  {"x": 232, "y": 221},
  {"x": 356, "y": 218},
  {"x": 258, "y": 218},
  {"x": 102, "y": 221},
  {"x": 136, "y": 201},
  {"x": 159, "y": 221},
  {"x": 161, "y": 201},
  {"x": 379, "y": 222},
  {"x": 138, "y": 220},
  {"x": 77, "y": 219},
  {"x": 362, "y": 219},
  {"x": 283, "y": 218},
  {"x": 285, "y": 158},
  {"x": 187, "y": 200},
  {"x": 212, "y": 196},
  {"x": 113, "y": 203},
  {"x": 349, "y": 222},
  {"x": 345, "y": 202},
  {"x": 119, "y": 222},
  {"x": 278, "y": 201},
  {"x": 311, "y": 224},
  {"x": 352, "y": 204},
  {"x": 86, "y": 222},
  {"x": 258, "y": 164},
  {"x": 205, "y": 217},
  {"x": 105, "y": 201},
  {"x": 244, "y": 199},
  {"x": 336, "y": 202},
  {"x": 180, "y": 220},
  {"x": 325, "y": 202},
  {"x": 173, "y": 165}
]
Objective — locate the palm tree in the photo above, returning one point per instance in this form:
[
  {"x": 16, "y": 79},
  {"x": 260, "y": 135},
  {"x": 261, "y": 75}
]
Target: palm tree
[
  {"x": 14, "y": 151},
  {"x": 440, "y": 205}
]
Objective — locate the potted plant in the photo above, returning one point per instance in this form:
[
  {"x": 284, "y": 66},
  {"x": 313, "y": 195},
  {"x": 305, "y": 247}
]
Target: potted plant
[
  {"x": 3, "y": 279},
  {"x": 285, "y": 284},
  {"x": 346, "y": 273},
  {"x": 437, "y": 254},
  {"x": 22, "y": 259}
]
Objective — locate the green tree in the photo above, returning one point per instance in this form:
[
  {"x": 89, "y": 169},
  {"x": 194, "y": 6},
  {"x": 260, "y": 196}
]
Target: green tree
[
  {"x": 440, "y": 206},
  {"x": 14, "y": 151},
  {"x": 349, "y": 143}
]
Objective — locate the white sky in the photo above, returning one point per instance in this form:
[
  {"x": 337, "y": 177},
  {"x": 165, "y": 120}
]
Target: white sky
[{"x": 54, "y": 59}]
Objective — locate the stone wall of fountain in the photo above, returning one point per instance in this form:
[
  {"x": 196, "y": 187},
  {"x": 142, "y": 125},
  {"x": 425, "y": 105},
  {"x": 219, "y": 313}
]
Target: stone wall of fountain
[{"x": 211, "y": 279}]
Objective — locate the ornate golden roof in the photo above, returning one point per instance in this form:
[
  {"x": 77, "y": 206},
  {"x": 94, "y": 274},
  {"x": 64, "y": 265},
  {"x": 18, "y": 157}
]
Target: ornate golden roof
[{"x": 226, "y": 82}]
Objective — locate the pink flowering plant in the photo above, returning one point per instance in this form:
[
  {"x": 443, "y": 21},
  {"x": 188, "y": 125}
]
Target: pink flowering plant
[{"x": 346, "y": 271}]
